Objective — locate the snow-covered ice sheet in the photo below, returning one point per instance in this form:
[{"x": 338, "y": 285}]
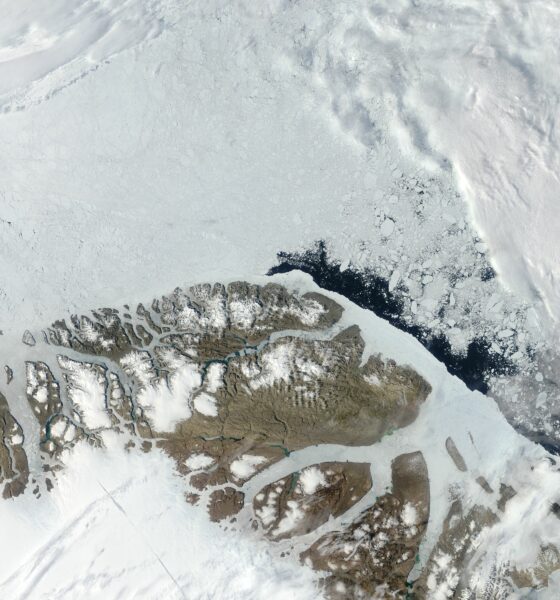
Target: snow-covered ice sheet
[
  {"x": 87, "y": 392},
  {"x": 117, "y": 526},
  {"x": 168, "y": 403},
  {"x": 210, "y": 136},
  {"x": 205, "y": 404},
  {"x": 45, "y": 46},
  {"x": 469, "y": 86},
  {"x": 221, "y": 121}
]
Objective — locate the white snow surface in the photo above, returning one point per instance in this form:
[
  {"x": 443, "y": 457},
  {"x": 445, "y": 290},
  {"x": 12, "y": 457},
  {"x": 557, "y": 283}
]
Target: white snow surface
[
  {"x": 86, "y": 390},
  {"x": 311, "y": 479},
  {"x": 117, "y": 526},
  {"x": 44, "y": 48},
  {"x": 293, "y": 515},
  {"x": 199, "y": 461},
  {"x": 167, "y": 402},
  {"x": 489, "y": 445},
  {"x": 215, "y": 377},
  {"x": 244, "y": 466},
  {"x": 277, "y": 365},
  {"x": 58, "y": 429},
  {"x": 205, "y": 404},
  {"x": 200, "y": 138},
  {"x": 409, "y": 515},
  {"x": 470, "y": 85},
  {"x": 140, "y": 365},
  {"x": 160, "y": 175}
]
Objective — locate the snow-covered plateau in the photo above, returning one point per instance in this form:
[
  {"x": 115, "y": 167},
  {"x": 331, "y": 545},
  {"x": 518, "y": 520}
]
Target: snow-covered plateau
[{"x": 405, "y": 156}]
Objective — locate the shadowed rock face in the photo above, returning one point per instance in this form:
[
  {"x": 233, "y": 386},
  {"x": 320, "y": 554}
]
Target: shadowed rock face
[
  {"x": 506, "y": 494},
  {"x": 375, "y": 553},
  {"x": 302, "y": 501},
  {"x": 484, "y": 484},
  {"x": 14, "y": 470}
]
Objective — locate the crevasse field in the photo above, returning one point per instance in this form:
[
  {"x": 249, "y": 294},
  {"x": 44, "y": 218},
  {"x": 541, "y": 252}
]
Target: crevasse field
[{"x": 150, "y": 144}]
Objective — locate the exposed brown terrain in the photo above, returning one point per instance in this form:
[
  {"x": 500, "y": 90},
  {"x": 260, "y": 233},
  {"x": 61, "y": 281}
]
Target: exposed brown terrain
[
  {"x": 255, "y": 373},
  {"x": 376, "y": 552},
  {"x": 14, "y": 469},
  {"x": 301, "y": 502}
]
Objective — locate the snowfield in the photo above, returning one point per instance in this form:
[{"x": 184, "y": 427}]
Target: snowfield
[
  {"x": 206, "y": 121},
  {"x": 118, "y": 527},
  {"x": 45, "y": 48}
]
